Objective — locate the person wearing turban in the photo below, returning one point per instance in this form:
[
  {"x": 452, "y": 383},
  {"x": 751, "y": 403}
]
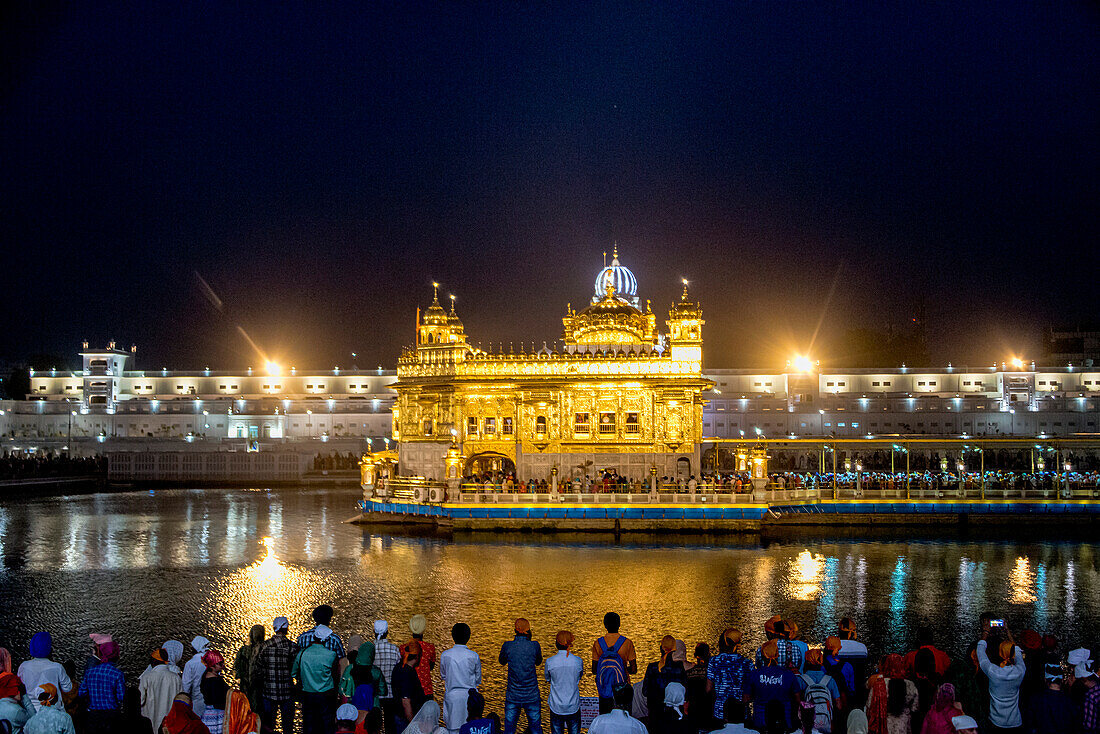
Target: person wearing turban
[
  {"x": 51, "y": 717},
  {"x": 158, "y": 685},
  {"x": 770, "y": 683},
  {"x": 417, "y": 625},
  {"x": 40, "y": 669},
  {"x": 15, "y": 706},
  {"x": 728, "y": 671}
]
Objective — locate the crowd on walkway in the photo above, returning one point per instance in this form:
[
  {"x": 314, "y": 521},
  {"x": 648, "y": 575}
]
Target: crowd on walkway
[
  {"x": 1000, "y": 685},
  {"x": 740, "y": 482},
  {"x": 19, "y": 465},
  {"x": 335, "y": 462}
]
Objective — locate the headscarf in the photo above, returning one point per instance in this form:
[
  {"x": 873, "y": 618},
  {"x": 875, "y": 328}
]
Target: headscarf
[
  {"x": 668, "y": 644},
  {"x": 815, "y": 658},
  {"x": 792, "y": 629},
  {"x": 41, "y": 645},
  {"x": 408, "y": 650},
  {"x": 857, "y": 722},
  {"x": 239, "y": 717},
  {"x": 848, "y": 626},
  {"x": 46, "y": 693},
  {"x": 769, "y": 626},
  {"x": 675, "y": 693},
  {"x": 564, "y": 638},
  {"x": 211, "y": 658},
  {"x": 108, "y": 651},
  {"x": 893, "y": 666},
  {"x": 98, "y": 638},
  {"x": 733, "y": 638},
  {"x": 9, "y": 685},
  {"x": 938, "y": 718},
  {"x": 181, "y": 719},
  {"x": 426, "y": 719},
  {"x": 174, "y": 650},
  {"x": 381, "y": 627},
  {"x": 832, "y": 644},
  {"x": 5, "y": 660},
  {"x": 770, "y": 651},
  {"x": 680, "y": 654},
  {"x": 354, "y": 643},
  {"x": 200, "y": 644}
]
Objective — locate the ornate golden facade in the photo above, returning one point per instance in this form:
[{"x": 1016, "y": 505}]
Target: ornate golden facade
[{"x": 617, "y": 395}]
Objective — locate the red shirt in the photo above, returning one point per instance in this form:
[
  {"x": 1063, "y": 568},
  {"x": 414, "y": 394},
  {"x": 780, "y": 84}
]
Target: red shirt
[{"x": 423, "y": 669}]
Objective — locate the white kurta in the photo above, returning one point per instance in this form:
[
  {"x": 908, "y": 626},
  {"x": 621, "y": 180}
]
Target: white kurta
[
  {"x": 158, "y": 687},
  {"x": 460, "y": 669}
]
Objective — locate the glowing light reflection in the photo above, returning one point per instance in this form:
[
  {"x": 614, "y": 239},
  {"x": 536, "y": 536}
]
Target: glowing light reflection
[{"x": 1022, "y": 581}]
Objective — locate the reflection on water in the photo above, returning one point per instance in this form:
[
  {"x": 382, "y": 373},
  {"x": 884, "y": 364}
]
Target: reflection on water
[{"x": 148, "y": 566}]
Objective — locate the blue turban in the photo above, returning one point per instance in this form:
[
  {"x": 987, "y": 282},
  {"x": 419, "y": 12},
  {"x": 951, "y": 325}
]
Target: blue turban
[
  {"x": 41, "y": 645},
  {"x": 363, "y": 699}
]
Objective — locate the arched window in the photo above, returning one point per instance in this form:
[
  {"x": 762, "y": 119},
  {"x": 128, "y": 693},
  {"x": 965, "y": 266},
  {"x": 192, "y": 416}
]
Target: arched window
[{"x": 540, "y": 425}]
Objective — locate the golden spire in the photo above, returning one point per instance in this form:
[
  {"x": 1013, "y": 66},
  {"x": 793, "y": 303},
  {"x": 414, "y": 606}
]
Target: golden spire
[
  {"x": 435, "y": 293},
  {"x": 615, "y": 253},
  {"x": 684, "y": 297},
  {"x": 452, "y": 304}
]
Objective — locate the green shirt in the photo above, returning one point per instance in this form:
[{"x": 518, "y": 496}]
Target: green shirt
[{"x": 313, "y": 667}]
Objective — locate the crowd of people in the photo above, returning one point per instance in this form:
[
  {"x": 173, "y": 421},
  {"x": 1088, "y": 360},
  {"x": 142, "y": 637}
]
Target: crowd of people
[
  {"x": 1016, "y": 483},
  {"x": 1000, "y": 685},
  {"x": 20, "y": 465},
  {"x": 336, "y": 462}
]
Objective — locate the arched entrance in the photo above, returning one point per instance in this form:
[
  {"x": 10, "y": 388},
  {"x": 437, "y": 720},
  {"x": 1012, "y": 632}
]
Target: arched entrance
[
  {"x": 683, "y": 468},
  {"x": 490, "y": 462}
]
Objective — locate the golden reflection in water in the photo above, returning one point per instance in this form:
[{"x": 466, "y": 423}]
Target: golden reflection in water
[
  {"x": 262, "y": 591},
  {"x": 1022, "y": 581},
  {"x": 807, "y": 573}
]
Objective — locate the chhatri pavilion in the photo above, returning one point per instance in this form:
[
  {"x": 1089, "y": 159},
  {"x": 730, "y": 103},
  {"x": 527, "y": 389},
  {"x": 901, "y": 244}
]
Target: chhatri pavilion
[{"x": 617, "y": 395}]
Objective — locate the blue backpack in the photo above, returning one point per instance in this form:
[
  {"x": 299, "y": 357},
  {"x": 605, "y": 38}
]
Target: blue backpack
[{"x": 610, "y": 668}]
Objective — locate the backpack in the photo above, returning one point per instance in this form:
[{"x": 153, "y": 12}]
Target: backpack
[
  {"x": 610, "y": 668},
  {"x": 817, "y": 693}
]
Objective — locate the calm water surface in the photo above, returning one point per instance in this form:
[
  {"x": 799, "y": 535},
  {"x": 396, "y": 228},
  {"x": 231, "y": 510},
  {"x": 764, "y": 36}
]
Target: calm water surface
[{"x": 149, "y": 566}]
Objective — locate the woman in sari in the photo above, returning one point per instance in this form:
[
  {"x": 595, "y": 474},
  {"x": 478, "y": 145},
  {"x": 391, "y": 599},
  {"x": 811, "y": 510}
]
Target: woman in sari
[
  {"x": 239, "y": 717},
  {"x": 181, "y": 719}
]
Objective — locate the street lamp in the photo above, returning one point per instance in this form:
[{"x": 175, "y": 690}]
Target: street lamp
[{"x": 309, "y": 422}]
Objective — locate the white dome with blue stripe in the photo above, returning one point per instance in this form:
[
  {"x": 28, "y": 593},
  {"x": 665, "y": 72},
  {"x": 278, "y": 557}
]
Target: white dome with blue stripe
[{"x": 624, "y": 282}]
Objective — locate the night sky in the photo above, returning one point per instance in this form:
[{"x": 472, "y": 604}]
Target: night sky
[{"x": 318, "y": 166}]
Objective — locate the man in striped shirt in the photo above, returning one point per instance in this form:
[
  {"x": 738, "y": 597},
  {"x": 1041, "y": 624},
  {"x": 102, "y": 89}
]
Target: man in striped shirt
[{"x": 322, "y": 615}]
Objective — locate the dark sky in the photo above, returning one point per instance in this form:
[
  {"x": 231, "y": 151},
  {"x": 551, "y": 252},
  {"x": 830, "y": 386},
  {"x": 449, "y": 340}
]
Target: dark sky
[{"x": 320, "y": 165}]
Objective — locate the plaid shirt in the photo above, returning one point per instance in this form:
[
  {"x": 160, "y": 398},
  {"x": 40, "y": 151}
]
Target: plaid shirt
[
  {"x": 1090, "y": 715},
  {"x": 332, "y": 642},
  {"x": 104, "y": 685},
  {"x": 386, "y": 656},
  {"x": 272, "y": 667},
  {"x": 790, "y": 656}
]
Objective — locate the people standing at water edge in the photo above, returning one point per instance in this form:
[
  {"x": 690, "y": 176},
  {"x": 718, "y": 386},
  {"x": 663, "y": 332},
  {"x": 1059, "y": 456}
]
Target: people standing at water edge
[
  {"x": 51, "y": 717},
  {"x": 619, "y": 661},
  {"x": 460, "y": 671},
  {"x": 40, "y": 669},
  {"x": 214, "y": 690},
  {"x": 271, "y": 672},
  {"x": 158, "y": 685},
  {"x": 193, "y": 671},
  {"x": 417, "y": 625},
  {"x": 408, "y": 694},
  {"x": 387, "y": 657},
  {"x": 242, "y": 665},
  {"x": 563, "y": 672},
  {"x": 522, "y": 655},
  {"x": 315, "y": 670},
  {"x": 322, "y": 616}
]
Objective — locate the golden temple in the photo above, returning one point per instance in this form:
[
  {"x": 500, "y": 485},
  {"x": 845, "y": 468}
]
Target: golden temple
[{"x": 617, "y": 395}]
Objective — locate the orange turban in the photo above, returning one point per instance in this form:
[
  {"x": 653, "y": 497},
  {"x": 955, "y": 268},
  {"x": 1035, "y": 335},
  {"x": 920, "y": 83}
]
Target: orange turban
[
  {"x": 792, "y": 629},
  {"x": 1007, "y": 651},
  {"x": 565, "y": 638},
  {"x": 770, "y": 650},
  {"x": 815, "y": 657},
  {"x": 848, "y": 627},
  {"x": 769, "y": 626},
  {"x": 523, "y": 626},
  {"x": 832, "y": 644}
]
